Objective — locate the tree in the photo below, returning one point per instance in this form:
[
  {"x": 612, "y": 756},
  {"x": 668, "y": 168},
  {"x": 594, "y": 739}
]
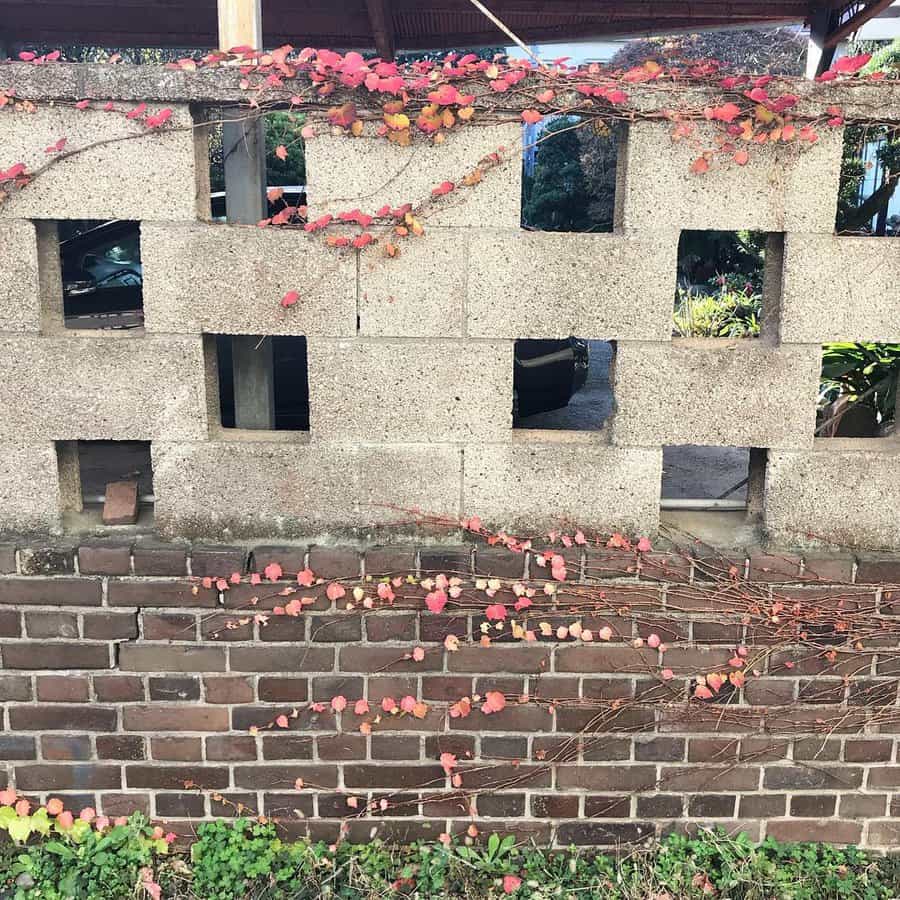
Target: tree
[{"x": 555, "y": 195}]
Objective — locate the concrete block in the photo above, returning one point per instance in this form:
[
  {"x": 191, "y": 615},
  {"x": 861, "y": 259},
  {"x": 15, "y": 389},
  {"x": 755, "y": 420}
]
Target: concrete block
[
  {"x": 104, "y": 387},
  {"x": 225, "y": 490},
  {"x": 367, "y": 172},
  {"x": 20, "y": 303},
  {"x": 840, "y": 289},
  {"x": 773, "y": 192},
  {"x": 844, "y": 492},
  {"x": 29, "y": 487},
  {"x": 539, "y": 284},
  {"x": 229, "y": 279},
  {"x": 535, "y": 486},
  {"x": 136, "y": 174},
  {"x": 419, "y": 293},
  {"x": 731, "y": 393},
  {"x": 388, "y": 390}
]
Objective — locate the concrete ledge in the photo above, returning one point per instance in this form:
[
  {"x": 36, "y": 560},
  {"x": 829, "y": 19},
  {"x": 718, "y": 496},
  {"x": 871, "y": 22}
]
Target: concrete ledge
[
  {"x": 731, "y": 393},
  {"x": 367, "y": 172},
  {"x": 230, "y": 279},
  {"x": 844, "y": 492},
  {"x": 421, "y": 292},
  {"x": 29, "y": 487},
  {"x": 541, "y": 285},
  {"x": 536, "y": 487},
  {"x": 840, "y": 289},
  {"x": 109, "y": 386},
  {"x": 20, "y": 305},
  {"x": 139, "y": 175},
  {"x": 382, "y": 391},
  {"x": 771, "y": 193},
  {"x": 226, "y": 490}
]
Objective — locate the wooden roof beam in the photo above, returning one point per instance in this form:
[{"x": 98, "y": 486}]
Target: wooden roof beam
[
  {"x": 856, "y": 21},
  {"x": 382, "y": 27}
]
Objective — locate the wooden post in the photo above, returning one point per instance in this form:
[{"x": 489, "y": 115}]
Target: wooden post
[
  {"x": 818, "y": 53},
  {"x": 244, "y": 153}
]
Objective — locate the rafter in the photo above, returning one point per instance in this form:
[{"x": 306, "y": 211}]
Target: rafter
[{"x": 856, "y": 21}]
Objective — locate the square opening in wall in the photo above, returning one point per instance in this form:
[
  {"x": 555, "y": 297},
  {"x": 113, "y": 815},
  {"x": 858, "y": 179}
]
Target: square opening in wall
[
  {"x": 102, "y": 275},
  {"x": 569, "y": 174},
  {"x": 563, "y": 384},
  {"x": 703, "y": 477},
  {"x": 719, "y": 290},
  {"x": 263, "y": 382},
  {"x": 285, "y": 177},
  {"x": 868, "y": 199},
  {"x": 108, "y": 482},
  {"x": 858, "y": 390}
]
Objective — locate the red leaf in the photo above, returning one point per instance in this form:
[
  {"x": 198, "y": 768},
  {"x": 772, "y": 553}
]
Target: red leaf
[
  {"x": 847, "y": 65},
  {"x": 436, "y": 601},
  {"x": 272, "y": 571},
  {"x": 511, "y": 883},
  {"x": 287, "y": 301},
  {"x": 443, "y": 188},
  {"x": 494, "y": 701},
  {"x": 531, "y": 116},
  {"x": 281, "y": 151},
  {"x": 700, "y": 165},
  {"x": 496, "y": 612}
]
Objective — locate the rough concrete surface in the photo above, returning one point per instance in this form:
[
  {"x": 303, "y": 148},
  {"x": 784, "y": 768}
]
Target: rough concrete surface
[
  {"x": 247, "y": 489},
  {"x": 29, "y": 487},
  {"x": 376, "y": 391},
  {"x": 101, "y": 388},
  {"x": 539, "y": 485},
  {"x": 844, "y": 492},
  {"x": 419, "y": 293},
  {"x": 20, "y": 304},
  {"x": 368, "y": 172},
  {"x": 140, "y": 175},
  {"x": 540, "y": 284},
  {"x": 784, "y": 188},
  {"x": 733, "y": 393},
  {"x": 229, "y": 279},
  {"x": 840, "y": 289}
]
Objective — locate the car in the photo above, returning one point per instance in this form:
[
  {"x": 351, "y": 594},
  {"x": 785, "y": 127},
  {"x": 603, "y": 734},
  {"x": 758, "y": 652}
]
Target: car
[
  {"x": 102, "y": 275},
  {"x": 547, "y": 374}
]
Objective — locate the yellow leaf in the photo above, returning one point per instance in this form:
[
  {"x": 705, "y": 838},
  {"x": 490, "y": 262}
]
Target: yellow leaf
[
  {"x": 356, "y": 129},
  {"x": 466, "y": 113}
]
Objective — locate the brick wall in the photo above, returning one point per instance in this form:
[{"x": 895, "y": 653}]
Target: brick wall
[
  {"x": 410, "y": 359},
  {"x": 122, "y": 681}
]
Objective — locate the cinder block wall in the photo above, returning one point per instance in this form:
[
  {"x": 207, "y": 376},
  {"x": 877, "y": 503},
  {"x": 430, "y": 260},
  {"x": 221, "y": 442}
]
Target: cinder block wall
[{"x": 410, "y": 359}]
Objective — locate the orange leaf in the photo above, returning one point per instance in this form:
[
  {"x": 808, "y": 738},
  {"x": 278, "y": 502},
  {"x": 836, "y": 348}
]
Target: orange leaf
[
  {"x": 281, "y": 151},
  {"x": 742, "y": 157},
  {"x": 700, "y": 165}
]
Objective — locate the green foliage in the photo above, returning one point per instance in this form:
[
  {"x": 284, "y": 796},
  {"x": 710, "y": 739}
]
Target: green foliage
[
  {"x": 726, "y": 313},
  {"x": 76, "y": 863},
  {"x": 246, "y": 860},
  {"x": 555, "y": 197},
  {"x": 864, "y": 373}
]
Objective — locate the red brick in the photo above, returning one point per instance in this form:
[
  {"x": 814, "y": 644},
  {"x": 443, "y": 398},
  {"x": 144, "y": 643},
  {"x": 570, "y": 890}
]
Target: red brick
[
  {"x": 873, "y": 570},
  {"x": 120, "y": 746},
  {"x": 176, "y": 749},
  {"x": 45, "y": 655},
  {"x": 868, "y": 751},
  {"x": 174, "y": 777},
  {"x": 600, "y": 564},
  {"x": 120, "y": 506},
  {"x": 16, "y": 746},
  {"x": 832, "y": 831},
  {"x": 809, "y": 777},
  {"x": 504, "y": 746},
  {"x": 282, "y": 659},
  {"x": 714, "y": 750},
  {"x": 391, "y": 659},
  {"x": 379, "y": 775},
  {"x": 395, "y": 746},
  {"x": 62, "y": 688},
  {"x": 8, "y": 559},
  {"x": 228, "y": 689},
  {"x": 187, "y": 806},
  {"x": 324, "y": 687},
  {"x": 175, "y": 718},
  {"x": 498, "y": 562},
  {"x": 288, "y": 746},
  {"x": 165, "y": 658},
  {"x": 446, "y": 559},
  {"x": 512, "y": 718},
  {"x": 217, "y": 561},
  {"x": 444, "y": 687},
  {"x": 668, "y": 567},
  {"x": 554, "y": 806},
  {"x": 813, "y": 806},
  {"x": 243, "y": 718},
  {"x": 157, "y": 593},
  {"x": 527, "y": 660},
  {"x": 291, "y": 559},
  {"x": 331, "y": 629},
  {"x": 576, "y": 719},
  {"x": 50, "y": 559},
  {"x": 174, "y": 688},
  {"x": 231, "y": 748},
  {"x": 267, "y": 777},
  {"x": 50, "y": 592},
  {"x": 113, "y": 805},
  {"x": 118, "y": 688},
  {"x": 391, "y": 627},
  {"x": 104, "y": 559},
  {"x": 285, "y": 628},
  {"x": 663, "y": 749},
  {"x": 152, "y": 557},
  {"x": 66, "y": 747},
  {"x": 773, "y": 567},
  {"x": 67, "y": 778},
  {"x": 339, "y": 747},
  {"x": 169, "y": 627},
  {"x": 605, "y": 659},
  {"x": 607, "y": 778},
  {"x": 227, "y": 627},
  {"x": 51, "y": 625},
  {"x": 15, "y": 687},
  {"x": 762, "y": 806},
  {"x": 335, "y": 562},
  {"x": 661, "y": 806},
  {"x": 382, "y": 561},
  {"x": 111, "y": 626},
  {"x": 709, "y": 778},
  {"x": 500, "y": 805},
  {"x": 712, "y": 806},
  {"x": 830, "y": 569}
]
